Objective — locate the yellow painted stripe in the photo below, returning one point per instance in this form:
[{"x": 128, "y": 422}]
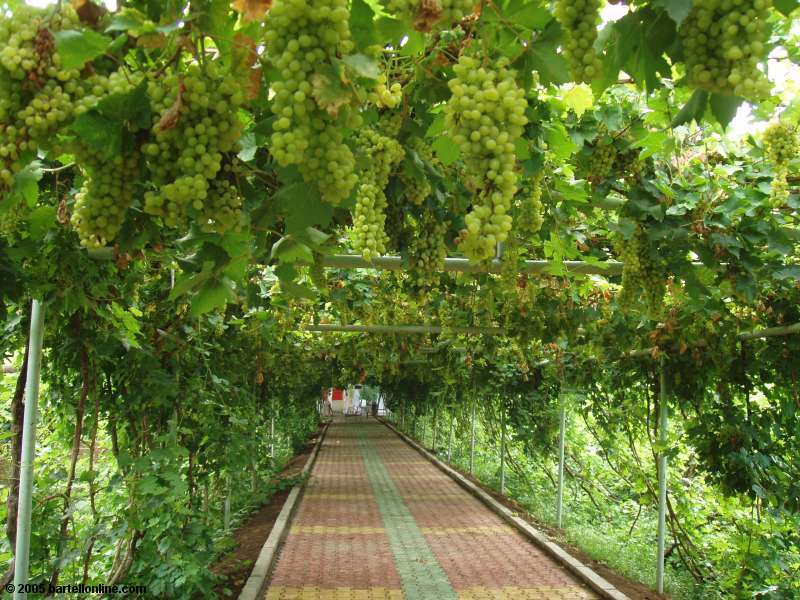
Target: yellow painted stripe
[
  {"x": 479, "y": 530},
  {"x": 340, "y": 593},
  {"x": 324, "y": 530},
  {"x": 515, "y": 593}
]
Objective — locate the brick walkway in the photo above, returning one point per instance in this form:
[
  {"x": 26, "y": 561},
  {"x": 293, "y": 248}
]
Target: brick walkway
[{"x": 378, "y": 521}]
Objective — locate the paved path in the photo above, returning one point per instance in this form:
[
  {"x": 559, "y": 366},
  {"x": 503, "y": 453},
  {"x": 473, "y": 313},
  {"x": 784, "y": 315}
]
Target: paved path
[{"x": 378, "y": 521}]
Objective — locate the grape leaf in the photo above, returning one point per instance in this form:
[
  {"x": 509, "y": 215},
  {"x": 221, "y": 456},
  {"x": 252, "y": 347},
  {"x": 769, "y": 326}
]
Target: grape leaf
[
  {"x": 303, "y": 207},
  {"x": 543, "y": 57},
  {"x": 252, "y": 10},
  {"x": 289, "y": 250},
  {"x": 213, "y": 295},
  {"x": 529, "y": 14},
  {"x": 76, "y": 48},
  {"x": 724, "y": 108},
  {"x": 40, "y": 221},
  {"x": 328, "y": 89},
  {"x": 787, "y": 7},
  {"x": 579, "y": 98},
  {"x": 678, "y": 10},
  {"x": 362, "y": 25},
  {"x": 26, "y": 187},
  {"x": 693, "y": 110},
  {"x": 446, "y": 150},
  {"x": 362, "y": 66},
  {"x": 640, "y": 40}
]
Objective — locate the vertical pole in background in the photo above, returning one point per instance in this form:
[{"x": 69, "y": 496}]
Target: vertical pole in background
[
  {"x": 502, "y": 448},
  {"x": 24, "y": 507},
  {"x": 662, "y": 476},
  {"x": 226, "y": 515},
  {"x": 435, "y": 424},
  {"x": 450, "y": 441},
  {"x": 472, "y": 440},
  {"x": 272, "y": 432},
  {"x": 562, "y": 428}
]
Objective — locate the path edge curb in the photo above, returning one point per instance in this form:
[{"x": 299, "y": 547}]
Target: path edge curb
[
  {"x": 581, "y": 571},
  {"x": 262, "y": 568}
]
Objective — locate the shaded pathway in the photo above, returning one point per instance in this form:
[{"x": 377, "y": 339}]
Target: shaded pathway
[{"x": 378, "y": 521}]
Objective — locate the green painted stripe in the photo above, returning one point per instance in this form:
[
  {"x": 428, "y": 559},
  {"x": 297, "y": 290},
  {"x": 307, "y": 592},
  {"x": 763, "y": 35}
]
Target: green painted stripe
[{"x": 421, "y": 574}]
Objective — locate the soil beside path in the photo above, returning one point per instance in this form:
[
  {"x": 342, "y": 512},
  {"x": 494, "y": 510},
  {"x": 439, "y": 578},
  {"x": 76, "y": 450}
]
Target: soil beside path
[{"x": 250, "y": 536}]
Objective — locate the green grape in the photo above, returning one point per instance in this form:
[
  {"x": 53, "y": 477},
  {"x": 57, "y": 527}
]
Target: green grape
[
  {"x": 630, "y": 165},
  {"x": 781, "y": 144},
  {"x": 485, "y": 117},
  {"x": 724, "y": 43},
  {"x": 384, "y": 95},
  {"x": 530, "y": 219},
  {"x": 579, "y": 20},
  {"x": 316, "y": 273},
  {"x": 604, "y": 155},
  {"x": 11, "y": 217},
  {"x": 391, "y": 122},
  {"x": 642, "y": 277},
  {"x": 36, "y": 92},
  {"x": 103, "y": 200},
  {"x": 195, "y": 123},
  {"x": 221, "y": 211},
  {"x": 300, "y": 36},
  {"x": 368, "y": 233},
  {"x": 427, "y": 250}
]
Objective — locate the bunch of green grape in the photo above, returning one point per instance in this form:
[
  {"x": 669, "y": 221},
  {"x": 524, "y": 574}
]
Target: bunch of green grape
[
  {"x": 781, "y": 144},
  {"x": 642, "y": 277},
  {"x": 384, "y": 95},
  {"x": 391, "y": 122},
  {"x": 368, "y": 234},
  {"x": 530, "y": 218},
  {"x": 36, "y": 92},
  {"x": 222, "y": 209},
  {"x": 105, "y": 196},
  {"x": 195, "y": 123},
  {"x": 579, "y": 20},
  {"x": 300, "y": 36},
  {"x": 630, "y": 165},
  {"x": 725, "y": 41},
  {"x": 427, "y": 250},
  {"x": 485, "y": 117},
  {"x": 604, "y": 155}
]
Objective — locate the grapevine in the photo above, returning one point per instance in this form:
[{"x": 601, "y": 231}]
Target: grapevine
[
  {"x": 642, "y": 277},
  {"x": 195, "y": 124},
  {"x": 369, "y": 217},
  {"x": 724, "y": 44},
  {"x": 384, "y": 95},
  {"x": 604, "y": 155},
  {"x": 427, "y": 250},
  {"x": 430, "y": 14},
  {"x": 417, "y": 189},
  {"x": 222, "y": 209},
  {"x": 529, "y": 220},
  {"x": 579, "y": 19},
  {"x": 300, "y": 36},
  {"x": 35, "y": 91},
  {"x": 486, "y": 116},
  {"x": 781, "y": 142}
]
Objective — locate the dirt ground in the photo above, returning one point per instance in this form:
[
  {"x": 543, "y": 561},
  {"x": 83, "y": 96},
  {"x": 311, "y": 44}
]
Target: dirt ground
[{"x": 235, "y": 566}]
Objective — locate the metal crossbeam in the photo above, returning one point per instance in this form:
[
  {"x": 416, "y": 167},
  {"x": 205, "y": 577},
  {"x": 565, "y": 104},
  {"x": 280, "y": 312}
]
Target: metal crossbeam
[{"x": 404, "y": 329}]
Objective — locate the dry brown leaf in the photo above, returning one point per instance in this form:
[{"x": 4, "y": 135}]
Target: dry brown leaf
[
  {"x": 152, "y": 41},
  {"x": 253, "y": 88},
  {"x": 252, "y": 10},
  {"x": 173, "y": 114},
  {"x": 88, "y": 11},
  {"x": 428, "y": 14}
]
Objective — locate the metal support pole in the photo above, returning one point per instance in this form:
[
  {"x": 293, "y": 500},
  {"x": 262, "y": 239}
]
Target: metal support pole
[
  {"x": 272, "y": 432},
  {"x": 24, "y": 506},
  {"x": 226, "y": 515},
  {"x": 450, "y": 441},
  {"x": 662, "y": 477},
  {"x": 435, "y": 424},
  {"x": 562, "y": 419},
  {"x": 502, "y": 449},
  {"x": 472, "y": 441}
]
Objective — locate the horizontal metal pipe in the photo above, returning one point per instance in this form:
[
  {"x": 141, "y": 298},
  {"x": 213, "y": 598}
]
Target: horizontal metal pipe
[
  {"x": 463, "y": 265},
  {"x": 404, "y": 329}
]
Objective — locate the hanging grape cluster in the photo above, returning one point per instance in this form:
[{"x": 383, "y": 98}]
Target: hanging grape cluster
[
  {"x": 195, "y": 123},
  {"x": 384, "y": 95},
  {"x": 486, "y": 116},
  {"x": 579, "y": 20},
  {"x": 36, "y": 92},
  {"x": 302, "y": 35},
  {"x": 724, "y": 43},
  {"x": 642, "y": 277},
  {"x": 781, "y": 145},
  {"x": 222, "y": 209},
  {"x": 427, "y": 250},
  {"x": 369, "y": 217},
  {"x": 430, "y": 14},
  {"x": 604, "y": 155},
  {"x": 417, "y": 189},
  {"x": 529, "y": 218},
  {"x": 630, "y": 165}
]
